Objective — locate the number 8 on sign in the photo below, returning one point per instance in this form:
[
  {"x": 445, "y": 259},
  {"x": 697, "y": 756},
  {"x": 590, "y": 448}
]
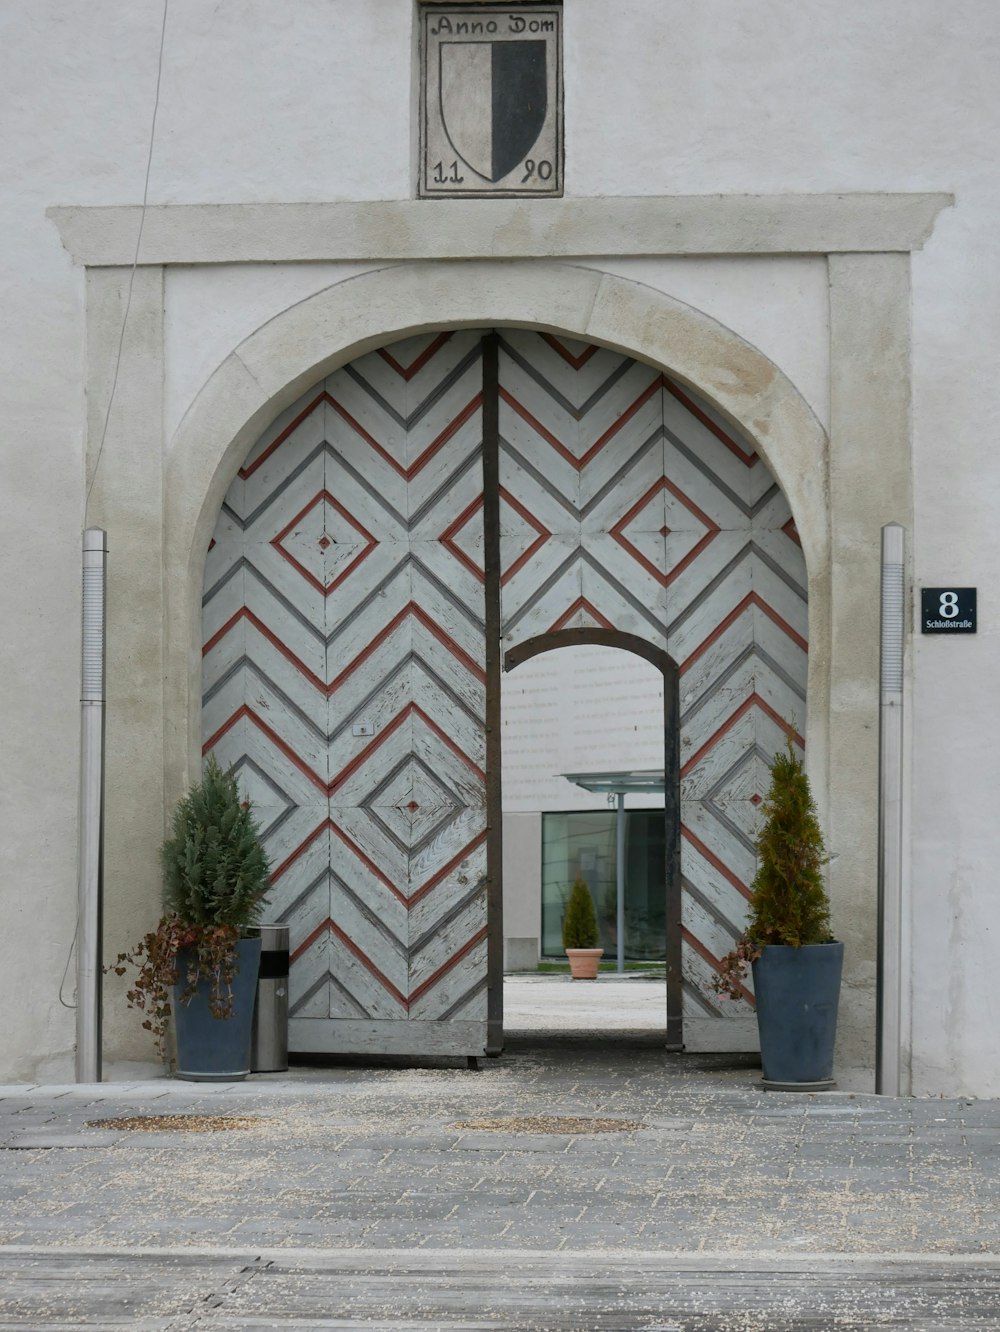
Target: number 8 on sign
[{"x": 948, "y": 610}]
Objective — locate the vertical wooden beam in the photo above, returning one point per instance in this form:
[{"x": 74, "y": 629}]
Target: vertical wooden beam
[
  {"x": 494, "y": 793},
  {"x": 672, "y": 852}
]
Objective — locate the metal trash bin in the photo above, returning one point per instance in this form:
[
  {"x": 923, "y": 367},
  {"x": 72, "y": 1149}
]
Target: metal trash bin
[{"x": 269, "y": 1036}]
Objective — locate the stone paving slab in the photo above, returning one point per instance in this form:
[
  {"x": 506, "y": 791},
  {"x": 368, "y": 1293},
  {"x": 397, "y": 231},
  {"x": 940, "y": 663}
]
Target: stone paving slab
[
  {"x": 378, "y": 1148},
  {"x": 211, "y": 1290},
  {"x": 536, "y": 1002},
  {"x": 350, "y": 1160}
]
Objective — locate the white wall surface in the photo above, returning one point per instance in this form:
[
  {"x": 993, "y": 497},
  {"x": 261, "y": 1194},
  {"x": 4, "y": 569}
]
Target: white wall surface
[
  {"x": 778, "y": 304},
  {"x": 209, "y": 311},
  {"x": 522, "y": 877},
  {"x": 579, "y": 709},
  {"x": 313, "y": 102}
]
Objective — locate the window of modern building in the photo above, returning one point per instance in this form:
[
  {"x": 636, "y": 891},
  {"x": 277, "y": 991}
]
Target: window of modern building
[{"x": 584, "y": 843}]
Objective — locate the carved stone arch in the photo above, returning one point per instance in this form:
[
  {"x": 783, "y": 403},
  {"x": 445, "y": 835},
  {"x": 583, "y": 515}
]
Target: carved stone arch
[
  {"x": 282, "y": 358},
  {"x": 269, "y": 381}
]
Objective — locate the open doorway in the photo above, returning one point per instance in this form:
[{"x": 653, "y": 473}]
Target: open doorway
[
  {"x": 420, "y": 521},
  {"x": 590, "y": 793}
]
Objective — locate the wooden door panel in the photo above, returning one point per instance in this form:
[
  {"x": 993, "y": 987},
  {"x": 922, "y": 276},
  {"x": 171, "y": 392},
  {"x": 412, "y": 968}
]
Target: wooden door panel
[
  {"x": 345, "y": 658},
  {"x": 629, "y": 504},
  {"x": 345, "y": 678}
]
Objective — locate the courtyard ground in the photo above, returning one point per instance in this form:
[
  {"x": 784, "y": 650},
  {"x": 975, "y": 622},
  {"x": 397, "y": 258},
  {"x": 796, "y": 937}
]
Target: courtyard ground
[{"x": 585, "y": 1179}]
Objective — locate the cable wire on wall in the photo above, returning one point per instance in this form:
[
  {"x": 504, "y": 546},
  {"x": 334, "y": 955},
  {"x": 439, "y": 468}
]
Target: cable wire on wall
[
  {"x": 118, "y": 360},
  {"x": 135, "y": 259}
]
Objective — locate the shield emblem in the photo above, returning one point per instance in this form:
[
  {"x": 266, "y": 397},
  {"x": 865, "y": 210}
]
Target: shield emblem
[{"x": 493, "y": 102}]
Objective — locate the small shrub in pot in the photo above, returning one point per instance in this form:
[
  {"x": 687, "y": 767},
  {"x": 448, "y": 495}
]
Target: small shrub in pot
[
  {"x": 215, "y": 879},
  {"x": 580, "y": 921}
]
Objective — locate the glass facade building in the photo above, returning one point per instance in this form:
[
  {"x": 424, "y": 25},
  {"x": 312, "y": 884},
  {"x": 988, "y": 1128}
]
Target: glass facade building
[{"x": 583, "y": 843}]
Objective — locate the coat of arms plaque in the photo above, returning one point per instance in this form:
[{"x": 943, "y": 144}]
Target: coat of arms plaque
[{"x": 491, "y": 100}]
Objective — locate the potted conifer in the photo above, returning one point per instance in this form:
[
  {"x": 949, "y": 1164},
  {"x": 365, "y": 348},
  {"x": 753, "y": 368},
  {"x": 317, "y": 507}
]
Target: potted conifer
[
  {"x": 580, "y": 933},
  {"x": 198, "y": 966},
  {"x": 795, "y": 960}
]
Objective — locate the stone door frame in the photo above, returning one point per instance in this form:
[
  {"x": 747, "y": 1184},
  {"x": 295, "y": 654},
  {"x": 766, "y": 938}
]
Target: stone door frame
[{"x": 489, "y": 263}]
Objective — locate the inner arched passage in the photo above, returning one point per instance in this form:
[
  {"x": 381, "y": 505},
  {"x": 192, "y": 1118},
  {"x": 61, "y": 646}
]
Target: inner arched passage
[
  {"x": 595, "y": 636},
  {"x": 419, "y": 511}
]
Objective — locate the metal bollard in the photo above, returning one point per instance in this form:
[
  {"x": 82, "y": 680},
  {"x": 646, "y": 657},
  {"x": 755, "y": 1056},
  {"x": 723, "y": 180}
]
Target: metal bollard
[{"x": 269, "y": 1037}]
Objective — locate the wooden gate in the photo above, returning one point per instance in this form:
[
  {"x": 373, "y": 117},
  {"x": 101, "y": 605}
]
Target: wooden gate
[
  {"x": 344, "y": 677},
  {"x": 628, "y": 504},
  {"x": 347, "y": 598}
]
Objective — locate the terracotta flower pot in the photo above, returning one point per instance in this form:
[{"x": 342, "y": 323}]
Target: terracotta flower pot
[{"x": 583, "y": 962}]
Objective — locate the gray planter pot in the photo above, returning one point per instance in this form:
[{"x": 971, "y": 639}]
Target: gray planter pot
[
  {"x": 798, "y": 990},
  {"x": 211, "y": 1049}
]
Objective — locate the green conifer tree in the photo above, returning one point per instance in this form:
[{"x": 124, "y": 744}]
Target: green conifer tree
[
  {"x": 580, "y": 921},
  {"x": 789, "y": 903},
  {"x": 214, "y": 868},
  {"x": 215, "y": 878}
]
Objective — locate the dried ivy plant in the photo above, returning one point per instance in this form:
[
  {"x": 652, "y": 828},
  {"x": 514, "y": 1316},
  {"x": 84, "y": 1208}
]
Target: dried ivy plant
[{"x": 215, "y": 879}]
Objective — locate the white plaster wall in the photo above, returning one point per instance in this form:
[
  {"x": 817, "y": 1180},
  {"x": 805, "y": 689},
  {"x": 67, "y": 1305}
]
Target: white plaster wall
[
  {"x": 668, "y": 97},
  {"x": 778, "y": 304},
  {"x": 955, "y": 747},
  {"x": 579, "y": 709},
  {"x": 522, "y": 877},
  {"x": 41, "y": 473},
  {"x": 269, "y": 103},
  {"x": 210, "y": 310}
]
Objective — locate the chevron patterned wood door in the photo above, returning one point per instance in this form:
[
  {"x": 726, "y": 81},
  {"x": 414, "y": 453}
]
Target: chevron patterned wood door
[
  {"x": 343, "y": 676},
  {"x": 344, "y": 652},
  {"x": 628, "y": 504}
]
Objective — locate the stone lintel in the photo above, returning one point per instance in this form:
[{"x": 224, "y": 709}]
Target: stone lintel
[{"x": 409, "y": 229}]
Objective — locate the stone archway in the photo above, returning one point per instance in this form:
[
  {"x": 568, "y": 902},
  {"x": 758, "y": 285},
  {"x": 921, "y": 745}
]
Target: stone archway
[
  {"x": 579, "y": 574},
  {"x": 157, "y": 495},
  {"x": 277, "y": 363}
]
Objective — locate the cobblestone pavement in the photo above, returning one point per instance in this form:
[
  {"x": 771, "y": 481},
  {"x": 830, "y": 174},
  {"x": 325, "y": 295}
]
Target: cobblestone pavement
[{"x": 343, "y": 1163}]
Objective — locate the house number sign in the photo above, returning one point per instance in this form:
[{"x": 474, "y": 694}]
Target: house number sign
[
  {"x": 490, "y": 100},
  {"x": 947, "y": 610}
]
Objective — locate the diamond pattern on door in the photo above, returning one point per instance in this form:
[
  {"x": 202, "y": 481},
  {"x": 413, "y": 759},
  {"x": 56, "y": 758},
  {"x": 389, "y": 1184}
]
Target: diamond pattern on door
[
  {"x": 344, "y": 653},
  {"x": 343, "y": 677},
  {"x": 627, "y": 503}
]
